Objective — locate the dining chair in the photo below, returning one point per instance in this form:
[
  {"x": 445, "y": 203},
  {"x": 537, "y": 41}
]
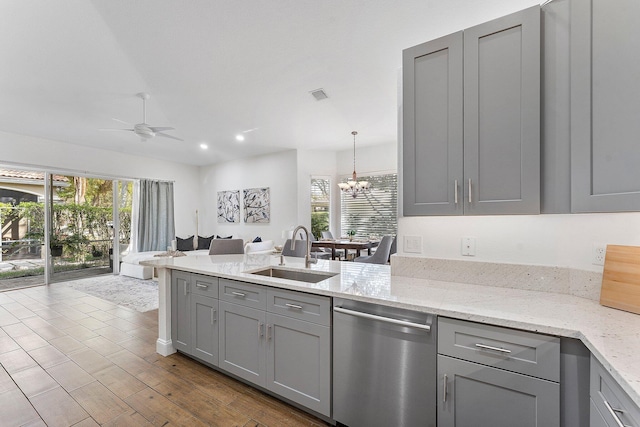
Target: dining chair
[
  {"x": 327, "y": 235},
  {"x": 299, "y": 251},
  {"x": 226, "y": 246},
  {"x": 381, "y": 255}
]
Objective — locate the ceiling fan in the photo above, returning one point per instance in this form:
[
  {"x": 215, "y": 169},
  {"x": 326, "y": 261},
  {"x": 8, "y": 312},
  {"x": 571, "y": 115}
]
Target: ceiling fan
[{"x": 143, "y": 130}]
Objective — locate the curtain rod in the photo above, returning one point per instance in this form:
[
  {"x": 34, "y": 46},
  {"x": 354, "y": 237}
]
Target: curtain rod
[{"x": 75, "y": 172}]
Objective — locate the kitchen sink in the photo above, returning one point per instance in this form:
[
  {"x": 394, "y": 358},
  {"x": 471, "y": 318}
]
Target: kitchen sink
[{"x": 300, "y": 276}]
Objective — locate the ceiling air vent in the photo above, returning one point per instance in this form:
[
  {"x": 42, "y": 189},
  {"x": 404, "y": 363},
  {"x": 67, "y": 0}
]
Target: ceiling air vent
[{"x": 319, "y": 94}]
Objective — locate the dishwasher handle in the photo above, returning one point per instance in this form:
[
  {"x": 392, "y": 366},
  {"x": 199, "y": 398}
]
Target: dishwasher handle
[{"x": 382, "y": 318}]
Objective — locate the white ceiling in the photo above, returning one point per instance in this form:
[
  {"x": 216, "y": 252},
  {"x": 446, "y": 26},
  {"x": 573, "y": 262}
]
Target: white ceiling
[{"x": 215, "y": 68}]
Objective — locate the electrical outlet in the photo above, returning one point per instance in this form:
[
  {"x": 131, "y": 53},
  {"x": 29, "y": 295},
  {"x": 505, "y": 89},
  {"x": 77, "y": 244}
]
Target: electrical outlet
[
  {"x": 469, "y": 246},
  {"x": 599, "y": 253},
  {"x": 413, "y": 244}
]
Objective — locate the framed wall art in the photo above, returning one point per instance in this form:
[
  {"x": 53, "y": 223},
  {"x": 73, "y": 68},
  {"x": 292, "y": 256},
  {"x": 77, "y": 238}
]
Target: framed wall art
[
  {"x": 256, "y": 205},
  {"x": 229, "y": 206}
]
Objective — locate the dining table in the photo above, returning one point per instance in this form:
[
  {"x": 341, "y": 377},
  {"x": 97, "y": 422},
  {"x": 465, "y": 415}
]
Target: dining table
[{"x": 357, "y": 245}]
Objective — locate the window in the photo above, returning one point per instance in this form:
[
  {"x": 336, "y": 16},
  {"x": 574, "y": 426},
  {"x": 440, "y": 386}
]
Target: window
[
  {"x": 375, "y": 213},
  {"x": 320, "y": 205}
]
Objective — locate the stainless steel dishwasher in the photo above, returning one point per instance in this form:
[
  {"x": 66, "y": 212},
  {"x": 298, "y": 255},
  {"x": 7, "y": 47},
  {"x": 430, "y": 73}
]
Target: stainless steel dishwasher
[{"x": 384, "y": 366}]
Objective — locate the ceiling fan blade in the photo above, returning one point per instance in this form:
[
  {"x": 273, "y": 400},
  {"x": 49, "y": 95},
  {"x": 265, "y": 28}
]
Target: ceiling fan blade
[
  {"x": 115, "y": 130},
  {"x": 168, "y": 136},
  {"x": 160, "y": 129},
  {"x": 120, "y": 121}
]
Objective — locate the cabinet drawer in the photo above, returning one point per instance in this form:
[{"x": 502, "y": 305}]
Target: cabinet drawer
[
  {"x": 517, "y": 351},
  {"x": 242, "y": 293},
  {"x": 312, "y": 308},
  {"x": 610, "y": 400},
  {"x": 204, "y": 285}
]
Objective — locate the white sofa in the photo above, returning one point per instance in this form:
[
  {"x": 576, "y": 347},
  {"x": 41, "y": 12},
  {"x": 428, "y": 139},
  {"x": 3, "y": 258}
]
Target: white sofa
[
  {"x": 263, "y": 247},
  {"x": 131, "y": 267}
]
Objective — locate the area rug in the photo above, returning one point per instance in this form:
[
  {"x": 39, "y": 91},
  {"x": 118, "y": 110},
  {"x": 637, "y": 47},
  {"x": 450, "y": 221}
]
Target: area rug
[{"x": 140, "y": 295}]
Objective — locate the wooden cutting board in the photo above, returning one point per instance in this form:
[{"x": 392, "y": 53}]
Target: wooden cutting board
[{"x": 621, "y": 278}]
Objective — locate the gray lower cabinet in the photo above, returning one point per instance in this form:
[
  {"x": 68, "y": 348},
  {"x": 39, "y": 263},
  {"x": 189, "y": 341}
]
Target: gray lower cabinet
[
  {"x": 279, "y": 340},
  {"x": 471, "y": 120},
  {"x": 181, "y": 311},
  {"x": 298, "y": 361},
  {"x": 474, "y": 395},
  {"x": 204, "y": 328},
  {"x": 491, "y": 376},
  {"x": 194, "y": 315},
  {"x": 610, "y": 405},
  {"x": 605, "y": 100},
  {"x": 242, "y": 342}
]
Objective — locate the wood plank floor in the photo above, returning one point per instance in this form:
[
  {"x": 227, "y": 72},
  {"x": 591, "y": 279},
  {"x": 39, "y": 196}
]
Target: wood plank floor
[{"x": 70, "y": 359}]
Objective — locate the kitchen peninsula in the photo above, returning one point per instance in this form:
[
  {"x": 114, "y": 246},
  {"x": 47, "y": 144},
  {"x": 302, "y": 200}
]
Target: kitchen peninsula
[{"x": 611, "y": 335}]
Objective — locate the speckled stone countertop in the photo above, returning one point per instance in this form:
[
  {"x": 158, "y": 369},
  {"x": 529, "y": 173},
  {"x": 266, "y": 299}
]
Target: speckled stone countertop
[{"x": 613, "y": 336}]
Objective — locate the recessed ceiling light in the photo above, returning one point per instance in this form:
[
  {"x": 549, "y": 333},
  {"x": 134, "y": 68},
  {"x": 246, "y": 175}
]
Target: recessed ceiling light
[
  {"x": 204, "y": 146},
  {"x": 239, "y": 137}
]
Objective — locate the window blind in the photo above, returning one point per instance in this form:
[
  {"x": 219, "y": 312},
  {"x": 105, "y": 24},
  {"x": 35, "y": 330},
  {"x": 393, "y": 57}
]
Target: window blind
[{"x": 374, "y": 213}]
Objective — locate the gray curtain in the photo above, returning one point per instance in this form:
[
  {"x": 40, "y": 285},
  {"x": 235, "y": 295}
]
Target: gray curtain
[{"x": 156, "y": 227}]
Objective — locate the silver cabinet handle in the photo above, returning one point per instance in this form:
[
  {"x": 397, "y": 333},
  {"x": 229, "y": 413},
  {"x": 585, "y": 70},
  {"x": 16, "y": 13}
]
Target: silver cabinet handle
[
  {"x": 470, "y": 187},
  {"x": 298, "y": 307},
  {"x": 455, "y": 191},
  {"x": 212, "y": 310},
  {"x": 612, "y": 411},
  {"x": 444, "y": 388},
  {"x": 260, "y": 329},
  {"x": 198, "y": 285},
  {"x": 489, "y": 347},
  {"x": 381, "y": 318},
  {"x": 268, "y": 332},
  {"x": 185, "y": 288},
  {"x": 239, "y": 294}
]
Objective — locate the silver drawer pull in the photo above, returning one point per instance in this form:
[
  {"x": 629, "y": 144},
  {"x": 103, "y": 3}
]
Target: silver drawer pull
[
  {"x": 470, "y": 190},
  {"x": 298, "y": 307},
  {"x": 612, "y": 411},
  {"x": 444, "y": 388},
  {"x": 489, "y": 347},
  {"x": 198, "y": 285},
  {"x": 239, "y": 294},
  {"x": 268, "y": 332},
  {"x": 260, "y": 329},
  {"x": 382, "y": 318},
  {"x": 455, "y": 191}
]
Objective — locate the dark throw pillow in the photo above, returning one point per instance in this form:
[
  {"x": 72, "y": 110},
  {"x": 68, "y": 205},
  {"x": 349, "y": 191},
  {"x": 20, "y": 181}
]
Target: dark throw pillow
[
  {"x": 228, "y": 237},
  {"x": 204, "y": 242},
  {"x": 185, "y": 244},
  {"x": 257, "y": 239}
]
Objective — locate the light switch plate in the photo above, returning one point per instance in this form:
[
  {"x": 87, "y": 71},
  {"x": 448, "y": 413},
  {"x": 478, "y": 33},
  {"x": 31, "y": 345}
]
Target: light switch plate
[{"x": 413, "y": 244}]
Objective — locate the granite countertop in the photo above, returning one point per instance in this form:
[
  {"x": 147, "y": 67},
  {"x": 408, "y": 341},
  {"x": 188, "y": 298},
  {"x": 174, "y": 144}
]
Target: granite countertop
[{"x": 613, "y": 336}]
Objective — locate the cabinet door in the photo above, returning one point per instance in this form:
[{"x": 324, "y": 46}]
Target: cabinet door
[
  {"x": 605, "y": 100},
  {"x": 204, "y": 328},
  {"x": 181, "y": 311},
  {"x": 432, "y": 127},
  {"x": 595, "y": 417},
  {"x": 299, "y": 362},
  {"x": 242, "y": 342},
  {"x": 473, "y": 395},
  {"x": 502, "y": 115}
]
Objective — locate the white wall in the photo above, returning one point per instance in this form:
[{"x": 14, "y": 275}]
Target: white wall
[
  {"x": 49, "y": 154},
  {"x": 276, "y": 171},
  {"x": 553, "y": 240}
]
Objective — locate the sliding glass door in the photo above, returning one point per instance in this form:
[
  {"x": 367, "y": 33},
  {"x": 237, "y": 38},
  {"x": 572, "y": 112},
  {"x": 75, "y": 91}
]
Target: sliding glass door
[{"x": 90, "y": 220}]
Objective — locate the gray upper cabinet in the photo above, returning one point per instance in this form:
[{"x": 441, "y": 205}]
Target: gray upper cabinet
[
  {"x": 605, "y": 101},
  {"x": 433, "y": 127},
  {"x": 502, "y": 115},
  {"x": 471, "y": 120}
]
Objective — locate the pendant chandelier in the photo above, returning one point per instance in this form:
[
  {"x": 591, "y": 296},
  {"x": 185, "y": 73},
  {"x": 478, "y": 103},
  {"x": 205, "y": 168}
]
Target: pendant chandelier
[{"x": 353, "y": 187}]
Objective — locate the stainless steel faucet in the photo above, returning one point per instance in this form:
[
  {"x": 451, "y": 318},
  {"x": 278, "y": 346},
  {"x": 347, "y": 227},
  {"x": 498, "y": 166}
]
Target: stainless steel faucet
[{"x": 307, "y": 257}]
